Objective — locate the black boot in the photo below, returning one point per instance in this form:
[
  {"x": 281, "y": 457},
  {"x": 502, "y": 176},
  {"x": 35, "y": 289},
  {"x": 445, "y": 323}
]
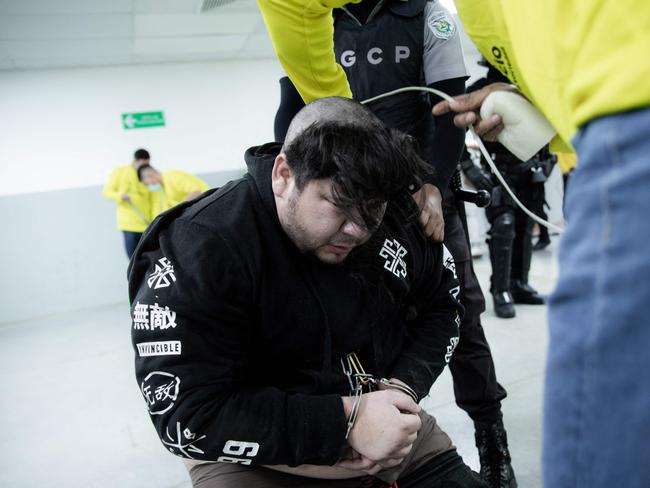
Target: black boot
[
  {"x": 500, "y": 246},
  {"x": 492, "y": 444},
  {"x": 504, "y": 305},
  {"x": 520, "y": 290},
  {"x": 525, "y": 294}
]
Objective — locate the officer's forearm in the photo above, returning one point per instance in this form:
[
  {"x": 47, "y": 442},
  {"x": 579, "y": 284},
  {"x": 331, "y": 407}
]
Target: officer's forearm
[
  {"x": 448, "y": 140},
  {"x": 448, "y": 146}
]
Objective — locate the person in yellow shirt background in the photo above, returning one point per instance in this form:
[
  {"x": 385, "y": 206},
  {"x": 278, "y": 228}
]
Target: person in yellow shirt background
[
  {"x": 170, "y": 188},
  {"x": 132, "y": 199}
]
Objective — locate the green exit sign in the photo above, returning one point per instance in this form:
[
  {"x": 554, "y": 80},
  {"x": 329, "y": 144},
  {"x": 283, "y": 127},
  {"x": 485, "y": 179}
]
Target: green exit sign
[{"x": 141, "y": 120}]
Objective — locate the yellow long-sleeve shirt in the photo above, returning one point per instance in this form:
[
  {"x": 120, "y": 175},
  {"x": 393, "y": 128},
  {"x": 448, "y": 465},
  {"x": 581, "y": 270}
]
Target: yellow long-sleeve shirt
[
  {"x": 302, "y": 32},
  {"x": 574, "y": 60},
  {"x": 176, "y": 187},
  {"x": 124, "y": 179}
]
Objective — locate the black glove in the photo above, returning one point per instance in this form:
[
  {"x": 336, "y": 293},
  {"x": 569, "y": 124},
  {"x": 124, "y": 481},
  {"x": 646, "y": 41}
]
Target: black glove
[{"x": 480, "y": 178}]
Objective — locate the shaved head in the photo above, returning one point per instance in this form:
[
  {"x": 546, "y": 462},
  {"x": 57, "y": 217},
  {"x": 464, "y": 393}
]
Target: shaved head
[{"x": 342, "y": 111}]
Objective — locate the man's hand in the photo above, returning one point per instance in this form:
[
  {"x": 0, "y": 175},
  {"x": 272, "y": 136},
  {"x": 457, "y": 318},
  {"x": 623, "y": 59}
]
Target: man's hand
[
  {"x": 126, "y": 197},
  {"x": 468, "y": 108},
  {"x": 431, "y": 217},
  {"x": 352, "y": 462},
  {"x": 384, "y": 431}
]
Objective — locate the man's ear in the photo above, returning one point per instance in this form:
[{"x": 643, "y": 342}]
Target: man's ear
[{"x": 281, "y": 176}]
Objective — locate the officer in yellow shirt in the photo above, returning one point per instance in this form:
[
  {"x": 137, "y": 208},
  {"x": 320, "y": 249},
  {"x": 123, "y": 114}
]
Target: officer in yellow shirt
[
  {"x": 170, "y": 188},
  {"x": 132, "y": 199},
  {"x": 585, "y": 66},
  {"x": 587, "y": 72}
]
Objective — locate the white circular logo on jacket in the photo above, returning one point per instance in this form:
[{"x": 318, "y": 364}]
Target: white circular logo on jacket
[{"x": 442, "y": 25}]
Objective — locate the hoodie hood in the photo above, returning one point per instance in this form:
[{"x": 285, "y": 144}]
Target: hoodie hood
[{"x": 259, "y": 163}]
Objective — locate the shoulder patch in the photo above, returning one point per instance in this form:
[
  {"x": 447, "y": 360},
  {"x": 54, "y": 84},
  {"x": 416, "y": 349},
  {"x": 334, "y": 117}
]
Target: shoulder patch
[{"x": 442, "y": 25}]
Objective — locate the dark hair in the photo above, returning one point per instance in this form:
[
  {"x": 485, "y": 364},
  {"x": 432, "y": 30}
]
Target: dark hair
[
  {"x": 409, "y": 148},
  {"x": 142, "y": 169},
  {"x": 367, "y": 163},
  {"x": 141, "y": 154}
]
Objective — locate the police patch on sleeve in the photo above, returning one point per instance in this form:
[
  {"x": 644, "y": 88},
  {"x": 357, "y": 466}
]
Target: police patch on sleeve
[{"x": 442, "y": 25}]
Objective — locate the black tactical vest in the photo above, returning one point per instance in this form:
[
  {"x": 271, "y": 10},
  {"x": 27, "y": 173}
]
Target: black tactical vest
[{"x": 385, "y": 54}]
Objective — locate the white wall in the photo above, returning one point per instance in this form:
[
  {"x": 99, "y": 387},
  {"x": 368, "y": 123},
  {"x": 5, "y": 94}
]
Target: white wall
[
  {"x": 60, "y": 136},
  {"x": 62, "y": 128}
]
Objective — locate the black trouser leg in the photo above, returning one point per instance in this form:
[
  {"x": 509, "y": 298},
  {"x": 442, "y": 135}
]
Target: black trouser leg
[
  {"x": 543, "y": 230},
  {"x": 444, "y": 471},
  {"x": 476, "y": 388},
  {"x": 522, "y": 252},
  {"x": 522, "y": 247},
  {"x": 472, "y": 367},
  {"x": 500, "y": 244}
]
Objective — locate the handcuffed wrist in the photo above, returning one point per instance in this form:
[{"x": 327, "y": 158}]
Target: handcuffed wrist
[{"x": 354, "y": 412}]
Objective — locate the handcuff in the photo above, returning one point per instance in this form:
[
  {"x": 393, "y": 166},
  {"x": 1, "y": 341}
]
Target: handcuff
[{"x": 359, "y": 379}]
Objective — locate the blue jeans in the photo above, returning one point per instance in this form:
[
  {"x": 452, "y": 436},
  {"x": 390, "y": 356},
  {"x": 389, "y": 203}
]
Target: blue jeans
[
  {"x": 597, "y": 398},
  {"x": 131, "y": 240}
]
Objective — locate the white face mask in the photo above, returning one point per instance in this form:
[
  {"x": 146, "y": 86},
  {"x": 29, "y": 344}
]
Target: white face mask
[{"x": 155, "y": 187}]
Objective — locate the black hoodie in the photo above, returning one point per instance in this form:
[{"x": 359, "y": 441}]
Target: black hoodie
[{"x": 238, "y": 336}]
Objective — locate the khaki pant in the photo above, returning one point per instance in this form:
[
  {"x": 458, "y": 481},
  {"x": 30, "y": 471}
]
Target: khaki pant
[{"x": 431, "y": 441}]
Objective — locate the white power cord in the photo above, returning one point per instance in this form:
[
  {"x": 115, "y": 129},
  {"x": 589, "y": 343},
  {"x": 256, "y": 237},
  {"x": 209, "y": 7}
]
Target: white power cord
[{"x": 484, "y": 151}]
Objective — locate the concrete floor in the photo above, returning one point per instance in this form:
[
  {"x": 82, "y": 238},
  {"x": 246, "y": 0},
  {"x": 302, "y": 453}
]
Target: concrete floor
[{"x": 73, "y": 416}]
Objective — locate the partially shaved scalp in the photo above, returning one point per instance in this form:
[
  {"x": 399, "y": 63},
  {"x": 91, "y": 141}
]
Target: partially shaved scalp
[
  {"x": 340, "y": 139},
  {"x": 337, "y": 110}
]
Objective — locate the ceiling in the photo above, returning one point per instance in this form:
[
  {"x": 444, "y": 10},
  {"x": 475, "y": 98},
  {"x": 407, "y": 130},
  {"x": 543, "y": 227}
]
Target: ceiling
[
  {"x": 38, "y": 34},
  {"x": 75, "y": 33}
]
